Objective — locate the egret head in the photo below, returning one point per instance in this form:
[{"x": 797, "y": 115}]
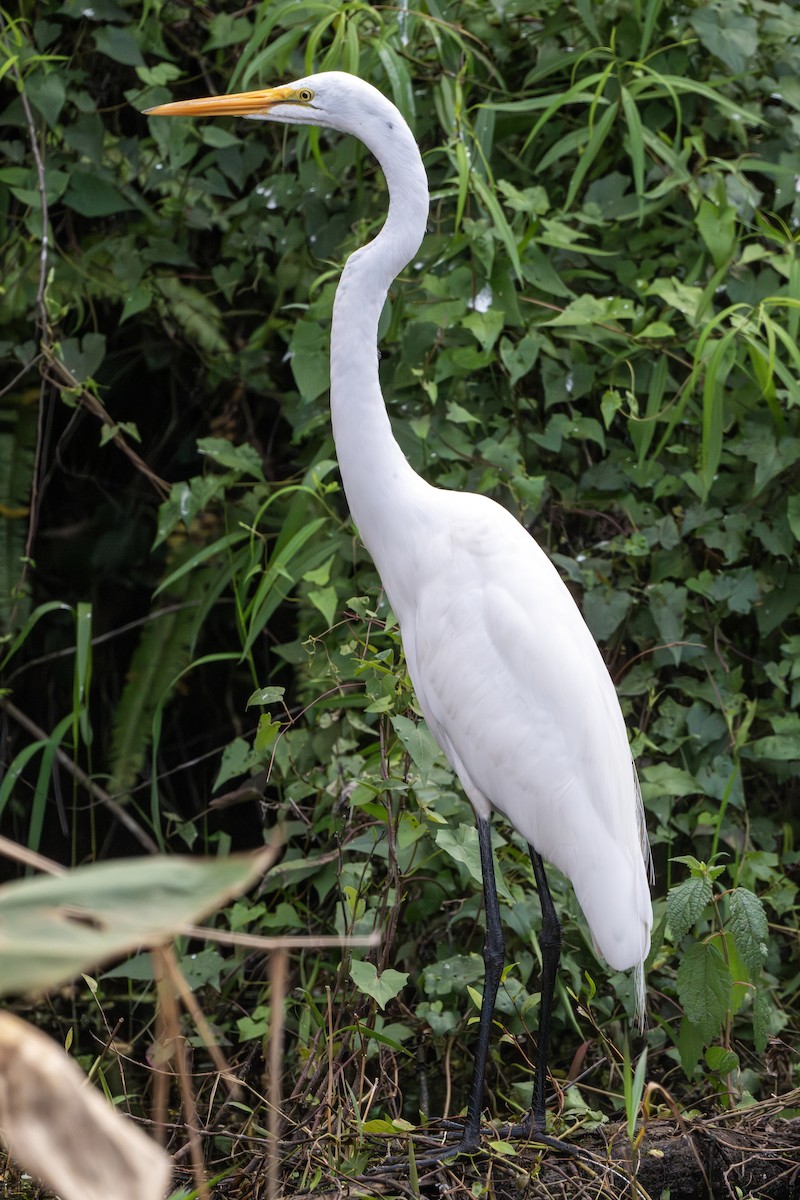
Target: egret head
[{"x": 331, "y": 98}]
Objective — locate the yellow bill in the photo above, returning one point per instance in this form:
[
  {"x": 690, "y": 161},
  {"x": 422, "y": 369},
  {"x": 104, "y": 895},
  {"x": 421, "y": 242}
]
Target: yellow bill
[{"x": 240, "y": 104}]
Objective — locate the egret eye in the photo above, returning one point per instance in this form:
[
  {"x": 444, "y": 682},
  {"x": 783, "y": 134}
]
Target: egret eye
[{"x": 305, "y": 95}]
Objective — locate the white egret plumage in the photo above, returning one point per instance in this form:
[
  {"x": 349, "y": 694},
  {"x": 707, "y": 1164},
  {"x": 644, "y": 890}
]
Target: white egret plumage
[{"x": 505, "y": 670}]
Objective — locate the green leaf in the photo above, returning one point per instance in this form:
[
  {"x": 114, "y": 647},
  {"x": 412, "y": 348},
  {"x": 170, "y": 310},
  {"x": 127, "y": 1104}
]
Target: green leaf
[
  {"x": 47, "y": 93},
  {"x": 326, "y": 601},
  {"x": 722, "y": 1060},
  {"x": 266, "y": 732},
  {"x": 451, "y": 976},
  {"x": 238, "y": 758},
  {"x": 137, "y": 300},
  {"x": 704, "y": 986},
  {"x": 604, "y": 610},
  {"x": 83, "y": 358},
  {"x": 665, "y": 779},
  {"x": 728, "y": 33},
  {"x": 418, "y": 743},
  {"x": 748, "y": 924},
  {"x": 717, "y": 226},
  {"x": 94, "y": 196},
  {"x": 309, "y": 359},
  {"x": 118, "y": 44},
  {"x": 668, "y": 609},
  {"x": 762, "y": 1019},
  {"x": 159, "y": 74},
  {"x": 243, "y": 458},
  {"x": 520, "y": 357},
  {"x": 690, "y": 1046},
  {"x": 266, "y": 695},
  {"x": 197, "y": 316},
  {"x": 462, "y": 845},
  {"x": 686, "y": 903},
  {"x": 53, "y": 928},
  {"x": 793, "y": 514},
  {"x": 382, "y": 988}
]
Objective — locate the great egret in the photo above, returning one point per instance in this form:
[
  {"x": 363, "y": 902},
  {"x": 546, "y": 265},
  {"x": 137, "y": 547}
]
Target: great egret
[{"x": 507, "y": 674}]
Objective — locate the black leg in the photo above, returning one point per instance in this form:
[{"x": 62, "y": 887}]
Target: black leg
[
  {"x": 493, "y": 957},
  {"x": 550, "y": 942}
]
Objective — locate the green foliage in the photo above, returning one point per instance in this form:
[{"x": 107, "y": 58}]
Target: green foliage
[
  {"x": 55, "y": 927},
  {"x": 723, "y": 970},
  {"x": 600, "y": 330}
]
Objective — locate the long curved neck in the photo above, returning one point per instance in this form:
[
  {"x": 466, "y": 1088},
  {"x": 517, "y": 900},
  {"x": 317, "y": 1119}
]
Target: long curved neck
[{"x": 378, "y": 481}]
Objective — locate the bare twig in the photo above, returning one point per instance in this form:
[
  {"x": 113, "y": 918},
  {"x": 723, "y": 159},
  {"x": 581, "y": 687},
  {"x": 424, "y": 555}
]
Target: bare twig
[
  {"x": 278, "y": 971},
  {"x": 41, "y": 323}
]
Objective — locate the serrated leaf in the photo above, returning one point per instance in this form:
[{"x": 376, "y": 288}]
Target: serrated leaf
[
  {"x": 748, "y": 924},
  {"x": 762, "y": 1011},
  {"x": 382, "y": 988},
  {"x": 686, "y": 904},
  {"x": 704, "y": 985}
]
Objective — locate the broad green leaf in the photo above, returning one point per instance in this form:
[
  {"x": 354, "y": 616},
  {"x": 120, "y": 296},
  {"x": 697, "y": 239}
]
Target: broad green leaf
[
  {"x": 605, "y": 610},
  {"x": 748, "y": 924},
  {"x": 729, "y": 33},
  {"x": 409, "y": 830},
  {"x": 519, "y": 358},
  {"x": 722, "y": 1060},
  {"x": 793, "y": 514},
  {"x": 668, "y": 610},
  {"x": 52, "y": 928},
  {"x": 717, "y": 226},
  {"x": 690, "y": 1046},
  {"x": 83, "y": 358},
  {"x": 266, "y": 695},
  {"x": 326, "y": 600},
  {"x": 450, "y": 976},
  {"x": 382, "y": 988},
  {"x": 462, "y": 845},
  {"x": 418, "y": 743},
  {"x": 244, "y": 458},
  {"x": 664, "y": 779},
  {"x": 238, "y": 758},
  {"x": 119, "y": 44},
  {"x": 48, "y": 93},
  {"x": 762, "y": 1018},
  {"x": 310, "y": 359},
  {"x": 94, "y": 196},
  {"x": 686, "y": 903},
  {"x": 704, "y": 985}
]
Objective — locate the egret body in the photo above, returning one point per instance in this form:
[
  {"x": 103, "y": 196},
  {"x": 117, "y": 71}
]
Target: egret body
[{"x": 505, "y": 670}]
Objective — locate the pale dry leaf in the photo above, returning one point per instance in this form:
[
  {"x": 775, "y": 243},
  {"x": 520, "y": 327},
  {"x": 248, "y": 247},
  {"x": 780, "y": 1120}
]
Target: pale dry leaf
[{"x": 61, "y": 1130}]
